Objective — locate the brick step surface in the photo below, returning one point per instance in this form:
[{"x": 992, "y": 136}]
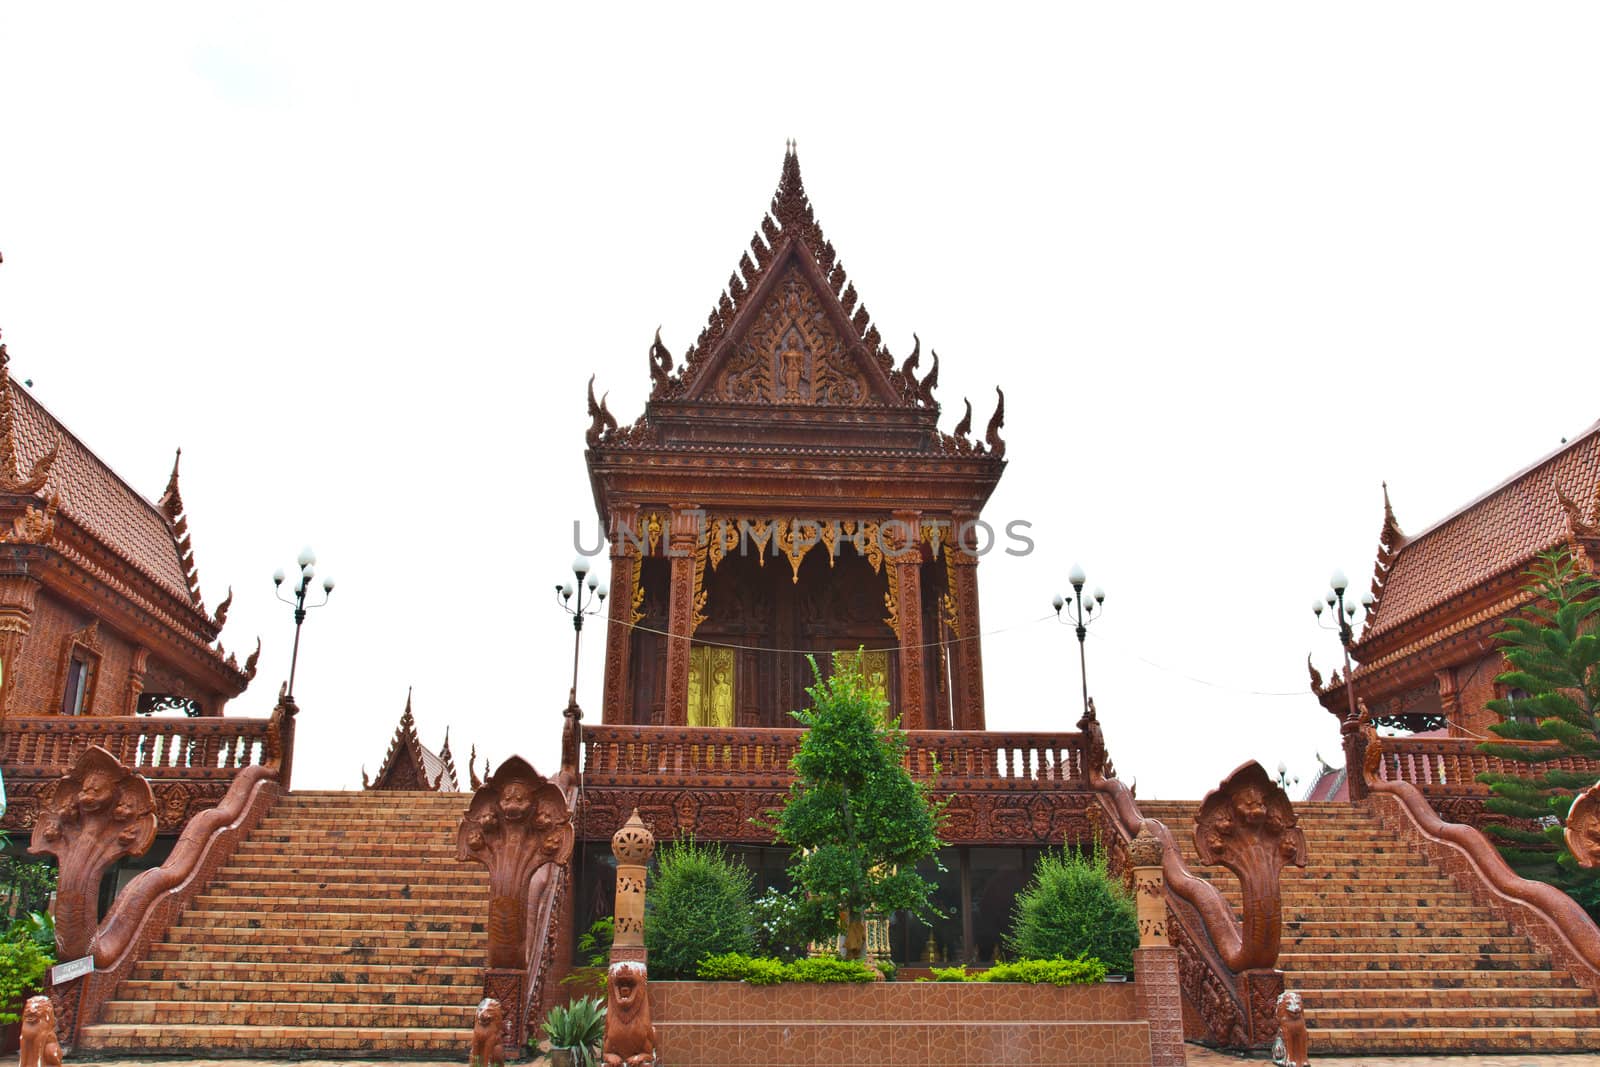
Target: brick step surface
[
  {"x": 237, "y": 1040},
  {"x": 1411, "y": 999},
  {"x": 343, "y": 899},
  {"x": 1455, "y": 1018},
  {"x": 313, "y": 938},
  {"x": 1398, "y": 929},
  {"x": 223, "y": 991},
  {"x": 457, "y": 1016},
  {"x": 382, "y": 871},
  {"x": 348, "y": 955},
  {"x": 1310, "y": 980},
  {"x": 309, "y": 889},
  {"x": 1487, "y": 946},
  {"x": 1406, "y": 961},
  {"x": 1401, "y": 1038},
  {"x": 383, "y": 920},
  {"x": 335, "y": 974}
]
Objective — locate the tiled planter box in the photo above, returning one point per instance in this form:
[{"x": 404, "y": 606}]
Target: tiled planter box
[{"x": 929, "y": 1024}]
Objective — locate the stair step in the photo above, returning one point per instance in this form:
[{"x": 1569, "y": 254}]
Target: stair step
[
  {"x": 347, "y": 956},
  {"x": 1434, "y": 1040},
  {"x": 176, "y": 1037},
  {"x": 250, "y": 937},
  {"x": 224, "y": 991},
  {"x": 447, "y": 1016},
  {"x": 1324, "y": 999},
  {"x": 385, "y": 920},
  {"x": 191, "y": 971},
  {"x": 1309, "y": 980}
]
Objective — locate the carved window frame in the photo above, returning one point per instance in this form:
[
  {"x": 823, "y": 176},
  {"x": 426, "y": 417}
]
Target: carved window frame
[{"x": 84, "y": 645}]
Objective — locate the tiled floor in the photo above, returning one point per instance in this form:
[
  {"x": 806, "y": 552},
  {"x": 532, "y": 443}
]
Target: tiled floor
[{"x": 1200, "y": 1057}]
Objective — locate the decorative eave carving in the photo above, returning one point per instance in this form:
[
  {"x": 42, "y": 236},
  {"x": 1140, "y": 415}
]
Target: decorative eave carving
[
  {"x": 1390, "y": 540},
  {"x": 12, "y": 479},
  {"x": 171, "y": 505},
  {"x": 1583, "y": 525}
]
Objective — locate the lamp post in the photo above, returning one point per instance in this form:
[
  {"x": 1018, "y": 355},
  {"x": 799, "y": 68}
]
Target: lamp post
[
  {"x": 1284, "y": 781},
  {"x": 1344, "y": 614},
  {"x": 591, "y": 600},
  {"x": 302, "y": 589},
  {"x": 1080, "y": 613}
]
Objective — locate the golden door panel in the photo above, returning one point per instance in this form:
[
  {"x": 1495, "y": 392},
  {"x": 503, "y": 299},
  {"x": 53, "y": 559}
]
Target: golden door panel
[{"x": 711, "y": 686}]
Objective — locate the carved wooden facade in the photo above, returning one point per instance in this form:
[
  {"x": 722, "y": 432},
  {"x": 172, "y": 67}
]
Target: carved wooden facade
[
  {"x": 100, "y": 606},
  {"x": 787, "y": 491},
  {"x": 1427, "y": 658}
]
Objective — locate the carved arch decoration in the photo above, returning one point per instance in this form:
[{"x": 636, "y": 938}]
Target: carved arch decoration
[
  {"x": 517, "y": 822},
  {"x": 94, "y": 815},
  {"x": 1248, "y": 825}
]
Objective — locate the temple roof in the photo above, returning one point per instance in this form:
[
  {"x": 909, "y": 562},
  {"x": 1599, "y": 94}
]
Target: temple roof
[
  {"x": 1497, "y": 534},
  {"x": 410, "y": 765},
  {"x": 791, "y": 368}
]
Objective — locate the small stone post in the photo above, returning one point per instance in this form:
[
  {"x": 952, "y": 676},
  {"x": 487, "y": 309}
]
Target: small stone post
[
  {"x": 632, "y": 846},
  {"x": 630, "y": 1036},
  {"x": 1155, "y": 961}
]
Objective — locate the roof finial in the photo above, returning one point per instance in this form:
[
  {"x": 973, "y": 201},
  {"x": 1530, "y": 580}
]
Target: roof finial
[
  {"x": 12, "y": 479},
  {"x": 171, "y": 502}
]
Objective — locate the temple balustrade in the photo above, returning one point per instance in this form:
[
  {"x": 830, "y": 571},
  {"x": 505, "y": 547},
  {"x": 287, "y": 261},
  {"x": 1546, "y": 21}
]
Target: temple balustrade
[
  {"x": 189, "y": 762},
  {"x": 1449, "y": 766},
  {"x": 648, "y": 755},
  {"x": 1002, "y": 787}
]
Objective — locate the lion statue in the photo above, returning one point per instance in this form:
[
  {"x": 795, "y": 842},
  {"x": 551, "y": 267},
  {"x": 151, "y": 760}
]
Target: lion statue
[
  {"x": 630, "y": 1039},
  {"x": 488, "y": 1035},
  {"x": 40, "y": 1046},
  {"x": 1290, "y": 1048}
]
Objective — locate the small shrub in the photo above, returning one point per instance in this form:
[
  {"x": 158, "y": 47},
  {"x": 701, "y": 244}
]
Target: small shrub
[
  {"x": 888, "y": 969},
  {"x": 578, "y": 1027},
  {"x": 1073, "y": 909},
  {"x": 756, "y": 970},
  {"x": 698, "y": 905},
  {"x": 735, "y": 967},
  {"x": 1055, "y": 972},
  {"x": 22, "y": 968},
  {"x": 785, "y": 927},
  {"x": 950, "y": 974},
  {"x": 828, "y": 969}
]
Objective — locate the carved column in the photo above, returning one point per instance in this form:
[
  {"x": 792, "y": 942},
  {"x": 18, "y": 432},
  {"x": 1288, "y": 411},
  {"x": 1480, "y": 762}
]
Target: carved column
[
  {"x": 625, "y": 571},
  {"x": 1450, "y": 699},
  {"x": 906, "y": 588},
  {"x": 1155, "y": 961},
  {"x": 18, "y": 592},
  {"x": 141, "y": 660},
  {"x": 681, "y": 542},
  {"x": 516, "y": 823},
  {"x": 969, "y": 713},
  {"x": 96, "y": 814},
  {"x": 1355, "y": 757}
]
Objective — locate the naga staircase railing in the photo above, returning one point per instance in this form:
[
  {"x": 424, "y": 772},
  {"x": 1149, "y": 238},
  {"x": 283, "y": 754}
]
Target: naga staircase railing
[
  {"x": 1556, "y": 922},
  {"x": 1227, "y": 970}
]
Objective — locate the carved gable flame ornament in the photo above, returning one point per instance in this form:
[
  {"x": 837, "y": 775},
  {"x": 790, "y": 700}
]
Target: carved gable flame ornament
[
  {"x": 1248, "y": 825},
  {"x": 1582, "y": 831}
]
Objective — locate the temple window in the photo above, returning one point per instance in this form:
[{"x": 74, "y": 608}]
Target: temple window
[{"x": 80, "y": 683}]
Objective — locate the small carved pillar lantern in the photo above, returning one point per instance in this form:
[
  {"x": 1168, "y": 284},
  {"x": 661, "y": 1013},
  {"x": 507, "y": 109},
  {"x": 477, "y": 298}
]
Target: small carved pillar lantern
[
  {"x": 630, "y": 1036},
  {"x": 1155, "y": 961},
  {"x": 99, "y": 812},
  {"x": 633, "y": 846}
]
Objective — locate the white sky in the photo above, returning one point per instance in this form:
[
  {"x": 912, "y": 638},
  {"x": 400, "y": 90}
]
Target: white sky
[{"x": 1233, "y": 263}]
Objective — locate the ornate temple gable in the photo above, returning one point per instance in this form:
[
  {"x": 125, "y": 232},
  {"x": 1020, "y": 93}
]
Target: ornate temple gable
[
  {"x": 409, "y": 766},
  {"x": 790, "y": 396}
]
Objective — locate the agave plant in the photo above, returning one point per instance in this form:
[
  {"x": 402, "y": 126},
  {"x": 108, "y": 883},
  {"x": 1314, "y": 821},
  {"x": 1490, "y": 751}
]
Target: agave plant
[{"x": 578, "y": 1028}]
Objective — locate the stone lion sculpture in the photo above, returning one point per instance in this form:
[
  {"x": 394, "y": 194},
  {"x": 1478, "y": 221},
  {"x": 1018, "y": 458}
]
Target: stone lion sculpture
[
  {"x": 40, "y": 1046},
  {"x": 630, "y": 1038},
  {"x": 1291, "y": 1044},
  {"x": 488, "y": 1035}
]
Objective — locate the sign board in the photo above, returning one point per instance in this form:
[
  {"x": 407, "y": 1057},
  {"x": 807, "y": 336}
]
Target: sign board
[{"x": 66, "y": 972}]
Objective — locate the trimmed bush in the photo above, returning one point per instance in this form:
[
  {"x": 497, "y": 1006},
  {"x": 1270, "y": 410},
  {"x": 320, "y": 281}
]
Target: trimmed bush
[
  {"x": 1074, "y": 909},
  {"x": 734, "y": 967},
  {"x": 1055, "y": 972},
  {"x": 950, "y": 974},
  {"x": 698, "y": 905}
]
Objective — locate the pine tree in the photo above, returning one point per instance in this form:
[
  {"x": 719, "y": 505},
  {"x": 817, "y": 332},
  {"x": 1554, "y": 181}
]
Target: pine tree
[
  {"x": 1554, "y": 651},
  {"x": 858, "y": 821}
]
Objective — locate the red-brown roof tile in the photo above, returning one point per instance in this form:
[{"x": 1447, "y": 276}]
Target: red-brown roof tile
[
  {"x": 1502, "y": 530},
  {"x": 95, "y": 498}
]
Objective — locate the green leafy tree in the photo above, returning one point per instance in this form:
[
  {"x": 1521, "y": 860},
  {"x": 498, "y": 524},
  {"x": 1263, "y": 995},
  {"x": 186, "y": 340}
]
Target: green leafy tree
[
  {"x": 1554, "y": 651},
  {"x": 698, "y": 905},
  {"x": 858, "y": 820}
]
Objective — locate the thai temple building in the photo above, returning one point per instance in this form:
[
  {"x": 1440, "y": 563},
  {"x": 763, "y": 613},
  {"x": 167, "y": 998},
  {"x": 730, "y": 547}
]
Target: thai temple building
[{"x": 785, "y": 494}]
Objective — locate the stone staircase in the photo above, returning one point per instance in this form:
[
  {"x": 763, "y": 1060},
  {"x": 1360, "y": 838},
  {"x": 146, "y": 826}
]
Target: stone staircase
[
  {"x": 343, "y": 925},
  {"x": 1390, "y": 956}
]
